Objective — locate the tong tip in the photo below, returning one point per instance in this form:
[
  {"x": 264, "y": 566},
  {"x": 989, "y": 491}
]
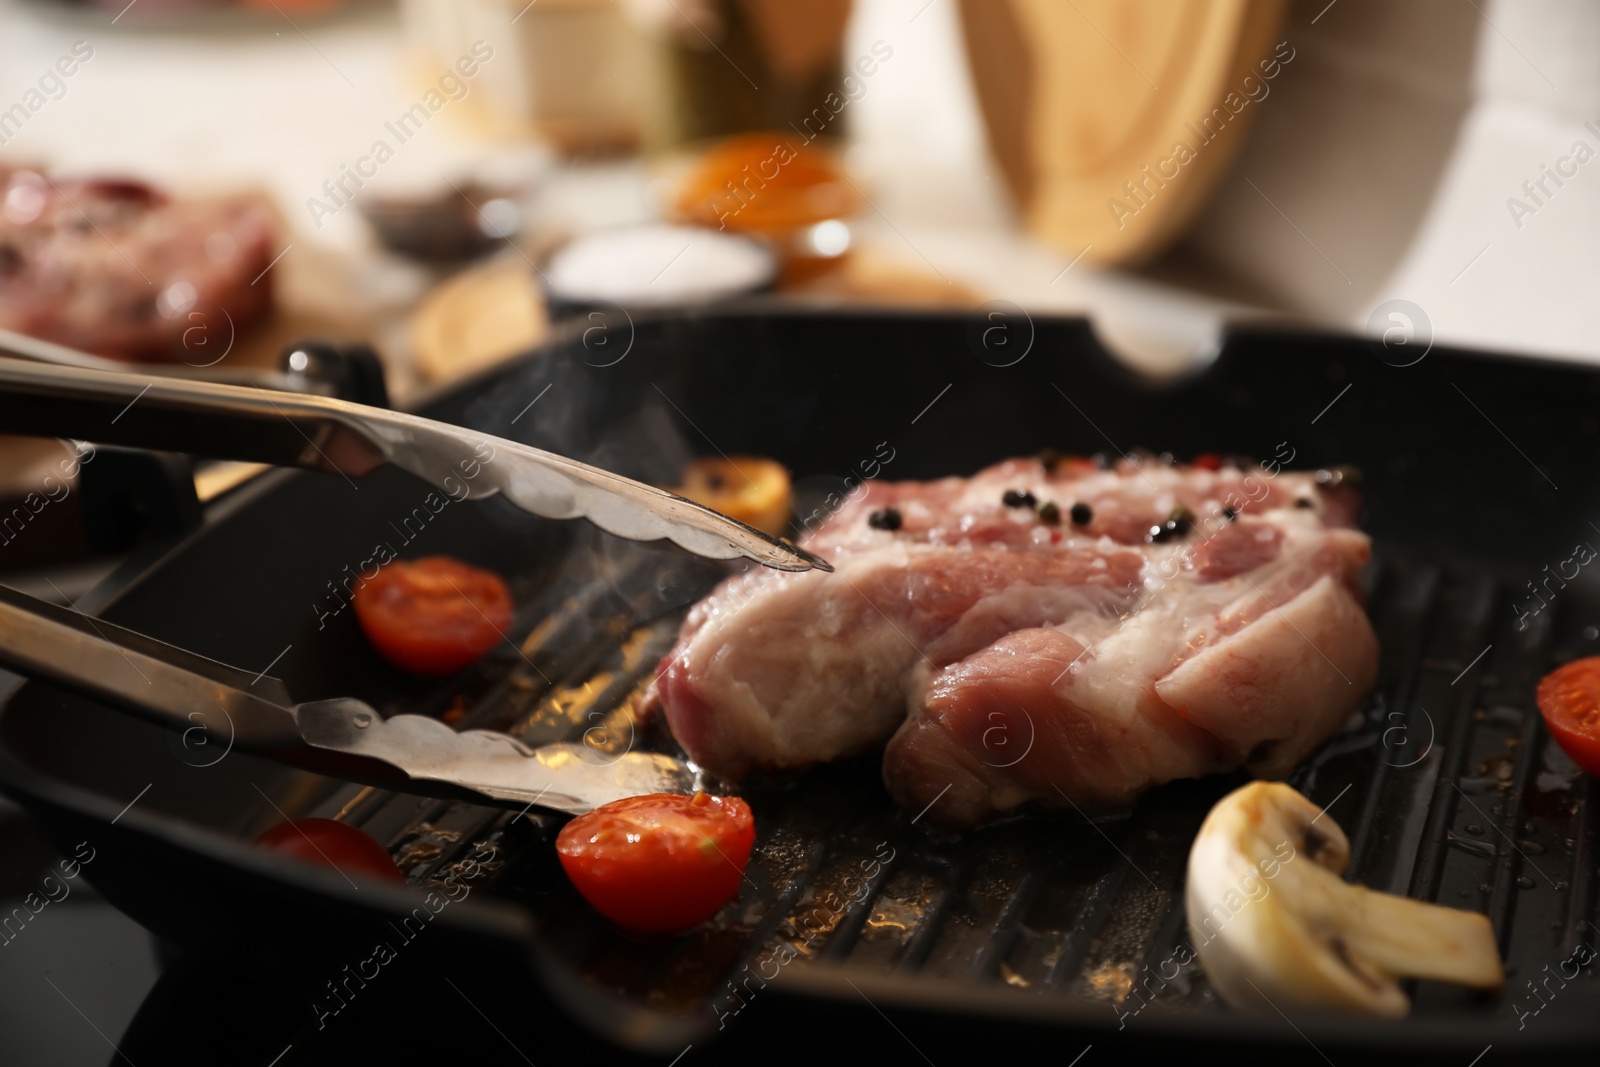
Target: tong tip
[{"x": 809, "y": 561}]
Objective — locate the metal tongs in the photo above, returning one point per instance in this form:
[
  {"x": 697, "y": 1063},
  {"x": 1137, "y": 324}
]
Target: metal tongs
[
  {"x": 52, "y": 399},
  {"x": 214, "y": 704}
]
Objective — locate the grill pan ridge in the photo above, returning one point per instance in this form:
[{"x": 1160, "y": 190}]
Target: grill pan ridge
[{"x": 1447, "y": 783}]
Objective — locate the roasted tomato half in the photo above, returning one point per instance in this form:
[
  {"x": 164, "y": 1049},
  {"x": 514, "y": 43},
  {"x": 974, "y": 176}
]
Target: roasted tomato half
[
  {"x": 1569, "y": 700},
  {"x": 435, "y": 615},
  {"x": 659, "y": 863},
  {"x": 327, "y": 843}
]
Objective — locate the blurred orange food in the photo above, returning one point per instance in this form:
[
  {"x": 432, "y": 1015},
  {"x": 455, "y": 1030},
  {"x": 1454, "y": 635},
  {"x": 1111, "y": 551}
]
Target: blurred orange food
[
  {"x": 780, "y": 187},
  {"x": 755, "y": 491}
]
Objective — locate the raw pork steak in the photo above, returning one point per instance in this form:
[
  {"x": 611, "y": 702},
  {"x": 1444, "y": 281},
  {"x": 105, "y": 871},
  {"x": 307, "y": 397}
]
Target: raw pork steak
[{"x": 1042, "y": 631}]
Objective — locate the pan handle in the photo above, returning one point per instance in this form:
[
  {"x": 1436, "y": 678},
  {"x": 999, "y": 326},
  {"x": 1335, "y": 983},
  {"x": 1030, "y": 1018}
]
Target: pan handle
[{"x": 158, "y": 682}]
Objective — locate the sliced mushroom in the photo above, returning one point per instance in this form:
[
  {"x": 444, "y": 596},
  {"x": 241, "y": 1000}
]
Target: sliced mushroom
[{"x": 1275, "y": 926}]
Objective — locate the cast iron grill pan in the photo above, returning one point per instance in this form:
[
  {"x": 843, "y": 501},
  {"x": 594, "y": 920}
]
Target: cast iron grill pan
[{"x": 1447, "y": 783}]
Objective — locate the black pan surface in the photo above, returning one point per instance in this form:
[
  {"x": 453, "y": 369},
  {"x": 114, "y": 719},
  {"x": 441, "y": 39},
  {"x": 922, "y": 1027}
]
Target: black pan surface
[{"x": 1477, "y": 478}]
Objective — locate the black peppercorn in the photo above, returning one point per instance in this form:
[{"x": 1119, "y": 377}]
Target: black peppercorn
[
  {"x": 885, "y": 519},
  {"x": 1082, "y": 514},
  {"x": 1305, "y": 502},
  {"x": 1181, "y": 521},
  {"x": 1158, "y": 534},
  {"x": 1229, "y": 514},
  {"x": 1018, "y": 498},
  {"x": 1049, "y": 459},
  {"x": 1049, "y": 514}
]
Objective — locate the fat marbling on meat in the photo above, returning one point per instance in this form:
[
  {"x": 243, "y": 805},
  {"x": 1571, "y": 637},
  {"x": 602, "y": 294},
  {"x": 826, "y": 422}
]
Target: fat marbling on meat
[{"x": 1042, "y": 631}]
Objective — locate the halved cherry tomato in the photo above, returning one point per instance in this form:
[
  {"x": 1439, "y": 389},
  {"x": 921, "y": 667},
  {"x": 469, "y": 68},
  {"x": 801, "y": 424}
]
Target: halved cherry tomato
[
  {"x": 433, "y": 616},
  {"x": 331, "y": 844},
  {"x": 755, "y": 491},
  {"x": 1569, "y": 700},
  {"x": 659, "y": 863}
]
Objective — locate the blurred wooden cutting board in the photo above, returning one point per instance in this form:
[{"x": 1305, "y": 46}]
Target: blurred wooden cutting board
[{"x": 1083, "y": 97}]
